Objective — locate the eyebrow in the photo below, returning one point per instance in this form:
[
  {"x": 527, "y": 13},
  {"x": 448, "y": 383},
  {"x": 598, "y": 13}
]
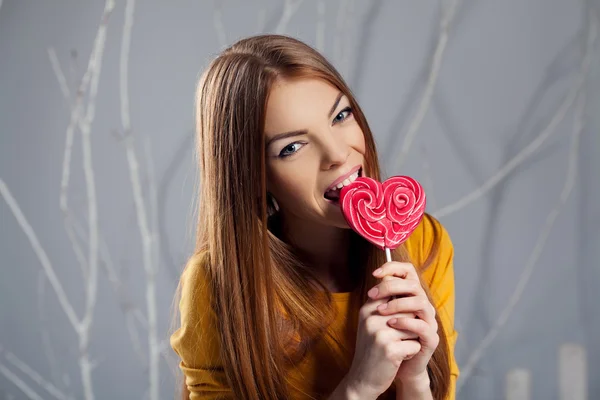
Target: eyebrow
[{"x": 304, "y": 131}]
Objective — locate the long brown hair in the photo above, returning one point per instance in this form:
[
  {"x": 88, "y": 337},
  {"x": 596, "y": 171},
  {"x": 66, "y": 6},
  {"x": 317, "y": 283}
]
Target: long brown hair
[{"x": 244, "y": 256}]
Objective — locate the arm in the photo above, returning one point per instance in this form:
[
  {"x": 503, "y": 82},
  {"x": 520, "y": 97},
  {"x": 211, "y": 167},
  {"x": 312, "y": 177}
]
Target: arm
[
  {"x": 439, "y": 277},
  {"x": 347, "y": 391},
  {"x": 197, "y": 339},
  {"x": 443, "y": 293},
  {"x": 416, "y": 390}
]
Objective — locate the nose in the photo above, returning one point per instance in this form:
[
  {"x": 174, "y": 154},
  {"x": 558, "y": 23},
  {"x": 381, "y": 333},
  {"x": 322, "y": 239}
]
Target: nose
[{"x": 335, "y": 152}]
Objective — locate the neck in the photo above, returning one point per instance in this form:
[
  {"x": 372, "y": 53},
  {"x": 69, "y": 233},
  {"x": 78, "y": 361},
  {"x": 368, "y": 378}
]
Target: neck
[{"x": 324, "y": 248}]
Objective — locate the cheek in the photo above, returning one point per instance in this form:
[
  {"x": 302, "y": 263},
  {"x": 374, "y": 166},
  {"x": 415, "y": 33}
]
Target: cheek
[
  {"x": 357, "y": 140},
  {"x": 292, "y": 185}
]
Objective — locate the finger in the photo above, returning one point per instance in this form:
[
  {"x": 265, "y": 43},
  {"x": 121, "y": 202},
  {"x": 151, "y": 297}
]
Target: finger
[
  {"x": 395, "y": 287},
  {"x": 406, "y": 335},
  {"x": 419, "y": 305},
  {"x": 397, "y": 269},
  {"x": 370, "y": 307},
  {"x": 428, "y": 336},
  {"x": 406, "y": 349}
]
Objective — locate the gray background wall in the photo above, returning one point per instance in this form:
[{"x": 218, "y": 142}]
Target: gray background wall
[{"x": 500, "y": 97}]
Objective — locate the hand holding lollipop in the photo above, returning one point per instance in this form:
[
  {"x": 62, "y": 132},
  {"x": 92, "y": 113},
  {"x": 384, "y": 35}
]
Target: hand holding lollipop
[{"x": 386, "y": 214}]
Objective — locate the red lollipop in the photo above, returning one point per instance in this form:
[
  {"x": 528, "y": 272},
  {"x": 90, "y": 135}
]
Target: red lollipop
[{"x": 383, "y": 213}]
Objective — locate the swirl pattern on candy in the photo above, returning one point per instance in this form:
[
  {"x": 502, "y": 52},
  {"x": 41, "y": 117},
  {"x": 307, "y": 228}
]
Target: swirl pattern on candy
[{"x": 383, "y": 213}]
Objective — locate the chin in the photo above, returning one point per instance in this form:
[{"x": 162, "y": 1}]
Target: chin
[{"x": 337, "y": 219}]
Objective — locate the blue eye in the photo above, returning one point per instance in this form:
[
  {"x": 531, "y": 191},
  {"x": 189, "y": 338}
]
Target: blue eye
[
  {"x": 290, "y": 149},
  {"x": 347, "y": 110}
]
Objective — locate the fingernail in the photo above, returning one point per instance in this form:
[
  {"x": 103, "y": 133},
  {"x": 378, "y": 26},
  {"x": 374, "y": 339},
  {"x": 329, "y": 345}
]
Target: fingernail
[
  {"x": 378, "y": 271},
  {"x": 373, "y": 292},
  {"x": 393, "y": 321},
  {"x": 382, "y": 306}
]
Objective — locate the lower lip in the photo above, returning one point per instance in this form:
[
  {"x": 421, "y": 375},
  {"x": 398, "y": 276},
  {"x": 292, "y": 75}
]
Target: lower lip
[{"x": 337, "y": 203}]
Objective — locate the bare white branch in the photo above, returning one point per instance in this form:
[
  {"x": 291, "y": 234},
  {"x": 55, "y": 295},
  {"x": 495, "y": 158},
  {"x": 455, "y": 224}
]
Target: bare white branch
[
  {"x": 60, "y": 76},
  {"x": 46, "y": 342},
  {"x": 84, "y": 122},
  {"x": 532, "y": 147},
  {"x": 40, "y": 253},
  {"x": 536, "y": 252},
  {"x": 66, "y": 172},
  {"x": 135, "y": 337},
  {"x": 129, "y": 309},
  {"x": 152, "y": 195},
  {"x": 147, "y": 237},
  {"x": 85, "y": 364},
  {"x": 289, "y": 9},
  {"x": 82, "y": 328},
  {"x": 35, "y": 376},
  {"x": 436, "y": 63},
  {"x": 29, "y": 392}
]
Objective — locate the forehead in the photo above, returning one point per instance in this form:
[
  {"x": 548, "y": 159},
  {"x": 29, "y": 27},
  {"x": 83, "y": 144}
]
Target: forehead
[{"x": 296, "y": 103}]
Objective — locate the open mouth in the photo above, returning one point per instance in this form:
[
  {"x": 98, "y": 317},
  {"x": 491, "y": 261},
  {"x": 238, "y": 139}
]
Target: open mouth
[{"x": 333, "y": 195}]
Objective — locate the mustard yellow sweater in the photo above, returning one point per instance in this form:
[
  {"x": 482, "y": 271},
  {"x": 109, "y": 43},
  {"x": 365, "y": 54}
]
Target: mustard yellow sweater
[{"x": 196, "y": 341}]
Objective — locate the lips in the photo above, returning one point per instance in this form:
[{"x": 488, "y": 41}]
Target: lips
[{"x": 333, "y": 194}]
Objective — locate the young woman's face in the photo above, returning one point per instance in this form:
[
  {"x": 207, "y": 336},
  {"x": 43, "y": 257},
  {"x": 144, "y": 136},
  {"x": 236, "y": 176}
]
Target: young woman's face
[{"x": 313, "y": 145}]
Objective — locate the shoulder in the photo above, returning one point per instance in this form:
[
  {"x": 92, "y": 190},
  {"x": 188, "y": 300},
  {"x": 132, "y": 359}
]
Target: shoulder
[
  {"x": 198, "y": 322},
  {"x": 430, "y": 249},
  {"x": 194, "y": 273},
  {"x": 195, "y": 302},
  {"x": 194, "y": 285},
  {"x": 430, "y": 233}
]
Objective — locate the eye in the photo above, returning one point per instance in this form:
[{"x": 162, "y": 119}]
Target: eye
[
  {"x": 343, "y": 115},
  {"x": 290, "y": 149}
]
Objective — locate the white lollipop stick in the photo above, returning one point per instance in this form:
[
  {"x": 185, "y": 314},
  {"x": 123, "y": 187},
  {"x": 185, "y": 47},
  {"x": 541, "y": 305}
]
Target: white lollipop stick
[{"x": 388, "y": 255}]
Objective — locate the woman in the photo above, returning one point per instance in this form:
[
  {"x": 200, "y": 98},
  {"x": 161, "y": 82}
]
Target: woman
[{"x": 274, "y": 301}]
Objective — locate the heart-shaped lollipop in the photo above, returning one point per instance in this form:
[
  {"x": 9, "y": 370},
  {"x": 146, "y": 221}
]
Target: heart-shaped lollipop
[{"x": 383, "y": 213}]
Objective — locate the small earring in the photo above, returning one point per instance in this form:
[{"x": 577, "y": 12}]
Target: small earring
[{"x": 275, "y": 204}]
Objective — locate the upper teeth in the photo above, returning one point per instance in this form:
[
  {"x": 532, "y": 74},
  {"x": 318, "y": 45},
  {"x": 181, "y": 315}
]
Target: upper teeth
[{"x": 348, "y": 180}]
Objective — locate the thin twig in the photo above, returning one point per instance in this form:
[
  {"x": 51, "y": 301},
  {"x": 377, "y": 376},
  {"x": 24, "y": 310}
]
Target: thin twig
[
  {"x": 130, "y": 310},
  {"x": 152, "y": 195},
  {"x": 532, "y": 261},
  {"x": 46, "y": 342},
  {"x": 29, "y": 392},
  {"x": 35, "y": 376},
  {"x": 73, "y": 226},
  {"x": 436, "y": 63},
  {"x": 85, "y": 364},
  {"x": 40, "y": 253},
  {"x": 76, "y": 110},
  {"x": 60, "y": 76},
  {"x": 90, "y": 77},
  {"x": 147, "y": 238},
  {"x": 532, "y": 147}
]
